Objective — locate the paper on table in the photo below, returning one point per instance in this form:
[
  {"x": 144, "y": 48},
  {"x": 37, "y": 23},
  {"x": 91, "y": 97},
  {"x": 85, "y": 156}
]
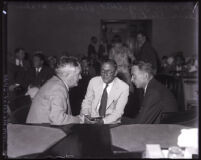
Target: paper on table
[
  {"x": 188, "y": 138},
  {"x": 25, "y": 139}
]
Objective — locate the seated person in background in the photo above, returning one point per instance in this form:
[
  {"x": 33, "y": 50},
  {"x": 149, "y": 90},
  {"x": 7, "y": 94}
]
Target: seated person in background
[
  {"x": 39, "y": 73},
  {"x": 164, "y": 64},
  {"x": 51, "y": 103},
  {"x": 87, "y": 69},
  {"x": 106, "y": 96},
  {"x": 52, "y": 62},
  {"x": 157, "y": 98},
  {"x": 191, "y": 65},
  {"x": 179, "y": 63},
  {"x": 17, "y": 70}
]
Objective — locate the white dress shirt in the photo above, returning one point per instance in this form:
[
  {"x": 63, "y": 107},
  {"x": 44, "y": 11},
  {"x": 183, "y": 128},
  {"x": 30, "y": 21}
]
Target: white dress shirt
[{"x": 38, "y": 69}]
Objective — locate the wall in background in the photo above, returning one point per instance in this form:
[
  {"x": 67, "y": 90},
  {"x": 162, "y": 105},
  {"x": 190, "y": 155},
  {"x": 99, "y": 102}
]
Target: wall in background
[{"x": 59, "y": 27}]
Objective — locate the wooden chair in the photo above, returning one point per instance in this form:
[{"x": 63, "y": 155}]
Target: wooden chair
[{"x": 20, "y": 114}]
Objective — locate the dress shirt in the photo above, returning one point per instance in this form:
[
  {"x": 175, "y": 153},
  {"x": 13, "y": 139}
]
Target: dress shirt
[
  {"x": 38, "y": 69},
  {"x": 18, "y": 62}
]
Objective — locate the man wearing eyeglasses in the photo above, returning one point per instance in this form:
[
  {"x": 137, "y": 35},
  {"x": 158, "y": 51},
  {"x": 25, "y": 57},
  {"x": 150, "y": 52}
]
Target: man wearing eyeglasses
[{"x": 106, "y": 97}]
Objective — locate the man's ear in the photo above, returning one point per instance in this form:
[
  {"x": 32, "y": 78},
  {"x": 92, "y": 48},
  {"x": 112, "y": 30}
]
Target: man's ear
[{"x": 146, "y": 75}]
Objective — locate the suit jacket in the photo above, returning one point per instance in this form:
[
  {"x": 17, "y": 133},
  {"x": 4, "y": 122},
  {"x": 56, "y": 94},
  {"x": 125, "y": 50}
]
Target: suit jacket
[
  {"x": 148, "y": 54},
  {"x": 91, "y": 50},
  {"x": 116, "y": 102},
  {"x": 157, "y": 99},
  {"x": 38, "y": 80},
  {"x": 17, "y": 74},
  {"x": 51, "y": 104}
]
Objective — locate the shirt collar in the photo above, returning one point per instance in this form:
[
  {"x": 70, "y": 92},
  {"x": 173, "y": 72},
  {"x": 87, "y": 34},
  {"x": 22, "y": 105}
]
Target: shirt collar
[
  {"x": 39, "y": 69},
  {"x": 145, "y": 89}
]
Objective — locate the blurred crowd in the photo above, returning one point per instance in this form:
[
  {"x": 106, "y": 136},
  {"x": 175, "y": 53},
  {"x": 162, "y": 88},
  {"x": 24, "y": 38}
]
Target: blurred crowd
[{"x": 179, "y": 65}]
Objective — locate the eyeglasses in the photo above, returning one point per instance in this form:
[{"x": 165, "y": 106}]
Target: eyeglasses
[{"x": 107, "y": 72}]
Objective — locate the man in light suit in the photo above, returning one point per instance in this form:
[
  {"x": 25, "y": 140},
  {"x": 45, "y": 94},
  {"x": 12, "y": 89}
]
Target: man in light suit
[
  {"x": 117, "y": 96},
  {"x": 51, "y": 103},
  {"x": 156, "y": 99}
]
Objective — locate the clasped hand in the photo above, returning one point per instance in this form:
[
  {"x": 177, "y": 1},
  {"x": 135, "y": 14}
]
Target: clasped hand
[{"x": 89, "y": 120}]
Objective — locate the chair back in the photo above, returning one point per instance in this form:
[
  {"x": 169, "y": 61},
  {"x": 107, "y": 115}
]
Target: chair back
[
  {"x": 20, "y": 115},
  {"x": 19, "y": 102}
]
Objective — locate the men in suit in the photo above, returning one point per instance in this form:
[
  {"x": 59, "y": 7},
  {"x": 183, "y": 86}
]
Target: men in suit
[
  {"x": 106, "y": 96},
  {"x": 157, "y": 98},
  {"x": 18, "y": 67},
  {"x": 39, "y": 73},
  {"x": 93, "y": 47},
  {"x": 51, "y": 103},
  {"x": 146, "y": 52}
]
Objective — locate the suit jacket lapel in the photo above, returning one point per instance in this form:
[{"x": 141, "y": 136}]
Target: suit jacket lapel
[{"x": 99, "y": 91}]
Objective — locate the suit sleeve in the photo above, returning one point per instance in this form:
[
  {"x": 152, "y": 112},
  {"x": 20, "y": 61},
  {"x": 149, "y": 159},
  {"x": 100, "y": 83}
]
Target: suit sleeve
[
  {"x": 119, "y": 110},
  {"x": 87, "y": 102},
  {"x": 151, "y": 109},
  {"x": 58, "y": 110}
]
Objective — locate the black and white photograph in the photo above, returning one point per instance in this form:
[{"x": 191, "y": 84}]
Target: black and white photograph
[{"x": 100, "y": 79}]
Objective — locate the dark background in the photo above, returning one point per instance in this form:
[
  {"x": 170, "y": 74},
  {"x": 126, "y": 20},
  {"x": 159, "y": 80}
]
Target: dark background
[{"x": 56, "y": 27}]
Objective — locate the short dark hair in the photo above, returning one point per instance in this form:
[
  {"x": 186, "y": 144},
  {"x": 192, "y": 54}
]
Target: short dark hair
[
  {"x": 144, "y": 34},
  {"x": 94, "y": 38},
  {"x": 116, "y": 39},
  {"x": 110, "y": 61},
  {"x": 164, "y": 57},
  {"x": 146, "y": 67},
  {"x": 40, "y": 55},
  {"x": 18, "y": 49}
]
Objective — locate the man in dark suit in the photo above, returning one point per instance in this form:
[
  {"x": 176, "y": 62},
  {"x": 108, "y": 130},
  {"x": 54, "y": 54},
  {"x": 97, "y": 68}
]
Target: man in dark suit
[
  {"x": 146, "y": 52},
  {"x": 157, "y": 98},
  {"x": 93, "y": 47},
  {"x": 18, "y": 66},
  {"x": 40, "y": 73}
]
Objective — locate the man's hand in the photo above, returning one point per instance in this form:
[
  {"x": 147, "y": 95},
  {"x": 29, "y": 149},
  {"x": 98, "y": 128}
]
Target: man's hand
[
  {"x": 99, "y": 121},
  {"x": 94, "y": 120},
  {"x": 88, "y": 120},
  {"x": 12, "y": 87}
]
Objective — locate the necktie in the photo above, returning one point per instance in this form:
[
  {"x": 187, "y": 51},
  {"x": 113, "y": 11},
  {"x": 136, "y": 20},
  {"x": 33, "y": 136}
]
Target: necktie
[
  {"x": 37, "y": 71},
  {"x": 103, "y": 103},
  {"x": 68, "y": 105}
]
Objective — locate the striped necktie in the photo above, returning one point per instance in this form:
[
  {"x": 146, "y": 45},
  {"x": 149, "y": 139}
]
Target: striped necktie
[{"x": 103, "y": 103}]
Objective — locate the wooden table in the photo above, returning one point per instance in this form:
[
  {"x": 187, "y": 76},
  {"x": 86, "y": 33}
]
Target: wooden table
[{"x": 105, "y": 141}]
